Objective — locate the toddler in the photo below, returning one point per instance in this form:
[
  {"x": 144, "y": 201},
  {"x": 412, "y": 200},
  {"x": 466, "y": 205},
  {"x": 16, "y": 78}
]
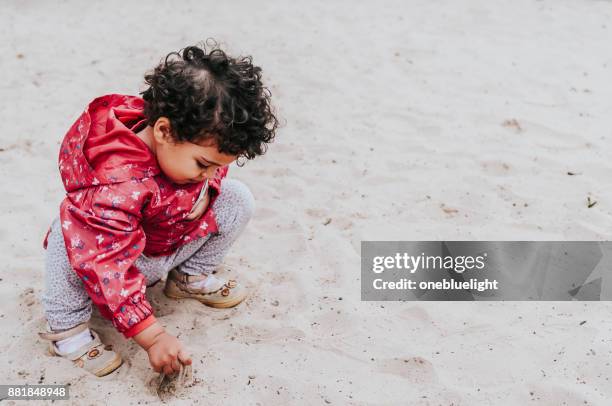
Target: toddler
[{"x": 147, "y": 196}]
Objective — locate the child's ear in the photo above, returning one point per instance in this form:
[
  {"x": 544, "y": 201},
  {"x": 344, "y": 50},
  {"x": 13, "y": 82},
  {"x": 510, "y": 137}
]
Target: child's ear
[{"x": 162, "y": 131}]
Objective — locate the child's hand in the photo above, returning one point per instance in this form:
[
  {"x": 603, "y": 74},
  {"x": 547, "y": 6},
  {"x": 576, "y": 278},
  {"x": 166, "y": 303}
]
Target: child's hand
[
  {"x": 165, "y": 351},
  {"x": 199, "y": 208},
  {"x": 166, "y": 354}
]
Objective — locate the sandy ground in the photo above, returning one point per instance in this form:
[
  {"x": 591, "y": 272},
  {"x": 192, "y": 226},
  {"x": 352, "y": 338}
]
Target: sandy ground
[{"x": 403, "y": 121}]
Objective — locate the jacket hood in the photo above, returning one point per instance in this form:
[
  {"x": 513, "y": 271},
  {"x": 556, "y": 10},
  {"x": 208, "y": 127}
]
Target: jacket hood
[{"x": 101, "y": 147}]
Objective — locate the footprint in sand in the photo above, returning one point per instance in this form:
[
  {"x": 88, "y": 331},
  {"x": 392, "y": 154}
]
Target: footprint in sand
[
  {"x": 27, "y": 301},
  {"x": 255, "y": 335},
  {"x": 495, "y": 168},
  {"x": 28, "y": 297},
  {"x": 326, "y": 219},
  {"x": 415, "y": 313},
  {"x": 316, "y": 213},
  {"x": 264, "y": 213},
  {"x": 334, "y": 324},
  {"x": 415, "y": 369}
]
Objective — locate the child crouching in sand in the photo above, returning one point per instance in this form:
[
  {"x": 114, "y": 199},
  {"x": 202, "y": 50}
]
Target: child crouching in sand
[{"x": 147, "y": 195}]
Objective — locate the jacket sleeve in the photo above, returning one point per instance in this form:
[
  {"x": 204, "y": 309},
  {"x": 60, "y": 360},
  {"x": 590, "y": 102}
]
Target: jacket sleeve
[{"x": 103, "y": 236}]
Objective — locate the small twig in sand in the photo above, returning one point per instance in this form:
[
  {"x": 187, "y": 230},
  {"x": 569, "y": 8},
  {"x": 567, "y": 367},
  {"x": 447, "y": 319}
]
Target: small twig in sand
[
  {"x": 448, "y": 210},
  {"x": 590, "y": 203},
  {"x": 170, "y": 385},
  {"x": 513, "y": 123}
]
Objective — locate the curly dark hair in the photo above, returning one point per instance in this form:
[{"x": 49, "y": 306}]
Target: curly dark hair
[{"x": 212, "y": 95}]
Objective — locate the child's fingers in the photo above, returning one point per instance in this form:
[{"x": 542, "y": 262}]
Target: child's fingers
[
  {"x": 184, "y": 357},
  {"x": 168, "y": 369},
  {"x": 157, "y": 367},
  {"x": 176, "y": 365}
]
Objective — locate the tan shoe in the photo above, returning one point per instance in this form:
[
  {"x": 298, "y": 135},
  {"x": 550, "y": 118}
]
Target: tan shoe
[
  {"x": 94, "y": 357},
  {"x": 229, "y": 294}
]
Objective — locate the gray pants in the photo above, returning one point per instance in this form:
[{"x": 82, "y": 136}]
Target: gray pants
[{"x": 67, "y": 304}]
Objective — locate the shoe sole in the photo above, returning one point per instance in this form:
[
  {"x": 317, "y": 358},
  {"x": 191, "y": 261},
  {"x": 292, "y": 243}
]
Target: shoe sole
[
  {"x": 116, "y": 363},
  {"x": 112, "y": 366},
  {"x": 173, "y": 292}
]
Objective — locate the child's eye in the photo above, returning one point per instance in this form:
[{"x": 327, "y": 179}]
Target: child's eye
[{"x": 203, "y": 166}]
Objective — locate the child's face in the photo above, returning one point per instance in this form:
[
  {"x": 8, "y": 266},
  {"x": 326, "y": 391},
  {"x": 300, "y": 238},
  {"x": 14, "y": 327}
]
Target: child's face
[{"x": 186, "y": 162}]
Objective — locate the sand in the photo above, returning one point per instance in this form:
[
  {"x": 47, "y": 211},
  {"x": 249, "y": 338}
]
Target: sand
[{"x": 421, "y": 120}]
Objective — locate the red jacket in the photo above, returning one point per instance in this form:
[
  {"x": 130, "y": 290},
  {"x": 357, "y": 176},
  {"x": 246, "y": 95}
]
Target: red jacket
[{"x": 119, "y": 205}]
